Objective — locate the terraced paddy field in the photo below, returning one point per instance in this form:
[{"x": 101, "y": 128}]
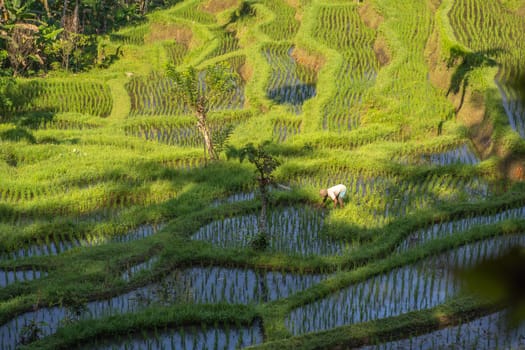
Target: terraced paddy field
[{"x": 118, "y": 232}]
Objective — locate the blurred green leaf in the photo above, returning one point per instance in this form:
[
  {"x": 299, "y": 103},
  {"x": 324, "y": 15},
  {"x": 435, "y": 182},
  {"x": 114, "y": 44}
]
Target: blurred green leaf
[{"x": 500, "y": 280}]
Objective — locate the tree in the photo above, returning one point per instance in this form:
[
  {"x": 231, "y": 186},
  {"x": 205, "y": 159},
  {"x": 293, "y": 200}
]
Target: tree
[
  {"x": 22, "y": 47},
  {"x": 245, "y": 10},
  {"x": 17, "y": 11},
  {"x": 3, "y": 12},
  {"x": 42, "y": 34},
  {"x": 72, "y": 47},
  {"x": 24, "y": 37},
  {"x": 265, "y": 164},
  {"x": 217, "y": 83}
]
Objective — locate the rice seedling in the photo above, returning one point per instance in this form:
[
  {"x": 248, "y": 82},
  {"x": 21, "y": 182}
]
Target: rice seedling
[
  {"x": 291, "y": 231},
  {"x": 459, "y": 155},
  {"x": 154, "y": 95},
  {"x": 488, "y": 332},
  {"x": 135, "y": 269},
  {"x": 473, "y": 22},
  {"x": 131, "y": 35},
  {"x": 192, "y": 285},
  {"x": 341, "y": 28},
  {"x": 448, "y": 228},
  {"x": 423, "y": 285},
  {"x": 227, "y": 42},
  {"x": 409, "y": 90},
  {"x": 513, "y": 98},
  {"x": 235, "y": 286},
  {"x": 8, "y": 277},
  {"x": 284, "y": 26},
  {"x": 99, "y": 196},
  {"x": 193, "y": 12},
  {"x": 393, "y": 195},
  {"x": 175, "y": 52},
  {"x": 182, "y": 131},
  {"x": 187, "y": 164},
  {"x": 139, "y": 232},
  {"x": 283, "y": 129},
  {"x": 151, "y": 96},
  {"x": 234, "y": 198},
  {"x": 55, "y": 247},
  {"x": 87, "y": 97},
  {"x": 190, "y": 338},
  {"x": 474, "y": 25},
  {"x": 290, "y": 83},
  {"x": 61, "y": 121}
]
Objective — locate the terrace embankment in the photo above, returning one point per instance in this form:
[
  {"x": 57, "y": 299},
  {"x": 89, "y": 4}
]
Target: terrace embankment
[
  {"x": 469, "y": 105},
  {"x": 313, "y": 61},
  {"x": 372, "y": 19},
  {"x": 216, "y": 6},
  {"x": 162, "y": 31},
  {"x": 245, "y": 71}
]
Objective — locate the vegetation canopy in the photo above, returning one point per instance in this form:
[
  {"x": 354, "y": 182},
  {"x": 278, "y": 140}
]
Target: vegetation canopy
[
  {"x": 198, "y": 93},
  {"x": 265, "y": 165},
  {"x": 142, "y": 205}
]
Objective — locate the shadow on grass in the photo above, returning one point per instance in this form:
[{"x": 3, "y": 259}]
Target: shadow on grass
[
  {"x": 34, "y": 120},
  {"x": 469, "y": 61},
  {"x": 17, "y": 134},
  {"x": 292, "y": 94},
  {"x": 243, "y": 12}
]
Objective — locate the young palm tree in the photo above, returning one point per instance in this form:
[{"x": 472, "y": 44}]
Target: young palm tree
[
  {"x": 265, "y": 164},
  {"x": 217, "y": 83}
]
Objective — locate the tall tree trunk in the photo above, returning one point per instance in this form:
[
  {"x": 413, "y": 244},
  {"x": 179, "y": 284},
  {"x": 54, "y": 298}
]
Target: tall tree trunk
[
  {"x": 4, "y": 13},
  {"x": 143, "y": 7},
  {"x": 46, "y": 7},
  {"x": 205, "y": 131},
  {"x": 76, "y": 24},
  {"x": 104, "y": 18},
  {"x": 64, "y": 13},
  {"x": 263, "y": 226}
]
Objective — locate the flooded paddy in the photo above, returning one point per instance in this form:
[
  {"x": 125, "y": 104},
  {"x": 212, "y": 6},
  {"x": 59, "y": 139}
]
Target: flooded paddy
[
  {"x": 209, "y": 285},
  {"x": 448, "y": 228},
  {"x": 485, "y": 333},
  {"x": 295, "y": 231},
  {"x": 419, "y": 286},
  {"x": 187, "y": 338},
  {"x": 53, "y": 247}
]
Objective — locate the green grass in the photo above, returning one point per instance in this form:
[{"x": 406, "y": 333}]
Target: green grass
[
  {"x": 94, "y": 156},
  {"x": 341, "y": 29}
]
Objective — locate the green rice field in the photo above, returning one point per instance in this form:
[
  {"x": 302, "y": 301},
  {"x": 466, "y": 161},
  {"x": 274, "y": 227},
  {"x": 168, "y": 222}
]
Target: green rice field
[{"x": 118, "y": 232}]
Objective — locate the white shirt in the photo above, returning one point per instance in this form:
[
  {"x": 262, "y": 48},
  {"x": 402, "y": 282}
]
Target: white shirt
[{"x": 334, "y": 191}]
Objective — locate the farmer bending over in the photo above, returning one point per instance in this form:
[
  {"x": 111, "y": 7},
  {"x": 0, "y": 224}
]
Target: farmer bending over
[{"x": 336, "y": 193}]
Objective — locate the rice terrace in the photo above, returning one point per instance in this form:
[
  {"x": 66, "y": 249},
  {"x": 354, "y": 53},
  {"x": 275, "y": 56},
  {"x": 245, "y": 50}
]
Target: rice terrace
[{"x": 161, "y": 165}]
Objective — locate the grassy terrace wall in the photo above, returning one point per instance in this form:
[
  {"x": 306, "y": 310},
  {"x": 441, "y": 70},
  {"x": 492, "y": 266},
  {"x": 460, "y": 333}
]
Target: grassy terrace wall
[{"x": 115, "y": 231}]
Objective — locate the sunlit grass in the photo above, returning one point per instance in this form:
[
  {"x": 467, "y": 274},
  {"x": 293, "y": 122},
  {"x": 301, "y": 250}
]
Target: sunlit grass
[{"x": 105, "y": 195}]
